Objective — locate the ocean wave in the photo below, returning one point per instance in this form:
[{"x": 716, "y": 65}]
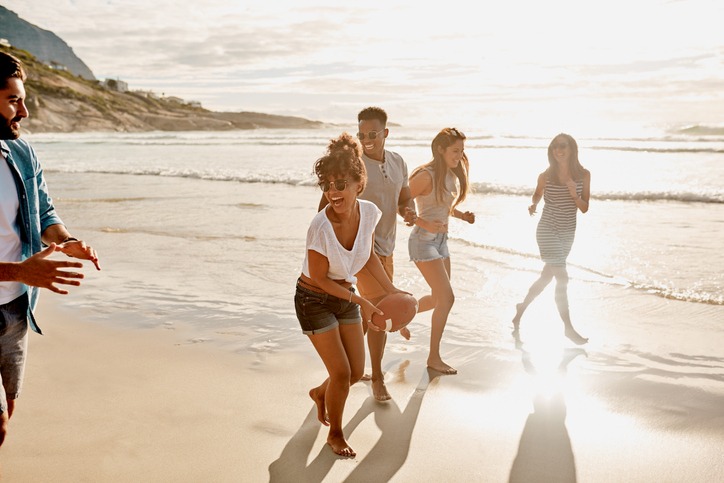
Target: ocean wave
[
  {"x": 701, "y": 130},
  {"x": 705, "y": 140},
  {"x": 299, "y": 179},
  {"x": 681, "y": 196}
]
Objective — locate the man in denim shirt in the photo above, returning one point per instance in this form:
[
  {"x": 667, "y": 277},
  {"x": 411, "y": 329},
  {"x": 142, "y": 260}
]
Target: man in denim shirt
[{"x": 27, "y": 222}]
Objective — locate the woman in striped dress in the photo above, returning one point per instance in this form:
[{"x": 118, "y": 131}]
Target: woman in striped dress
[{"x": 566, "y": 188}]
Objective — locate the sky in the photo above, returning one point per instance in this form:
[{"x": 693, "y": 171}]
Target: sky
[{"x": 508, "y": 66}]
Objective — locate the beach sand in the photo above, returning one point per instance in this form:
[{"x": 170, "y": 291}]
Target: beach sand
[{"x": 108, "y": 403}]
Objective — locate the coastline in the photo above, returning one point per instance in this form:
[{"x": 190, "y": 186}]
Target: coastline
[{"x": 110, "y": 403}]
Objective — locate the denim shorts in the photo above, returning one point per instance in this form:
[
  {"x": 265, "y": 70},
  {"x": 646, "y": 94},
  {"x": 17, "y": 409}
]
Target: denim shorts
[
  {"x": 13, "y": 347},
  {"x": 425, "y": 246},
  {"x": 320, "y": 312}
]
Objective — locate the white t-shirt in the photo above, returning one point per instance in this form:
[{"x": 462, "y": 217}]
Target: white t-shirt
[
  {"x": 343, "y": 264},
  {"x": 10, "y": 247}
]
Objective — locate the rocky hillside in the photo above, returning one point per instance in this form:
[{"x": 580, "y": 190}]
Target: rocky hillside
[
  {"x": 63, "y": 102},
  {"x": 43, "y": 44}
]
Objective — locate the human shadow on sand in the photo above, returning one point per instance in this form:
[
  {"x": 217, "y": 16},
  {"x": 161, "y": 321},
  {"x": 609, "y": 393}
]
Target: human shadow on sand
[
  {"x": 382, "y": 462},
  {"x": 545, "y": 453}
]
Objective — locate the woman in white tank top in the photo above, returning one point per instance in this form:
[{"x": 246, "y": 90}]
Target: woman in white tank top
[
  {"x": 438, "y": 187},
  {"x": 340, "y": 241}
]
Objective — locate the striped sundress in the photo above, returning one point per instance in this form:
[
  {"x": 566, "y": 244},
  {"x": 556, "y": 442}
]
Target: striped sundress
[{"x": 557, "y": 225}]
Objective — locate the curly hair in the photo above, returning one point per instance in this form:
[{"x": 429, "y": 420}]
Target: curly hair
[
  {"x": 444, "y": 139},
  {"x": 10, "y": 66},
  {"x": 342, "y": 160}
]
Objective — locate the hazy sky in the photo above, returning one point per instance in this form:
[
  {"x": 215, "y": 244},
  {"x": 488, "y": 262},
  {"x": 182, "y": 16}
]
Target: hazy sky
[{"x": 506, "y": 65}]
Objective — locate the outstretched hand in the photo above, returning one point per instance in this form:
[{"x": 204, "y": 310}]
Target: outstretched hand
[
  {"x": 78, "y": 249},
  {"x": 39, "y": 271}
]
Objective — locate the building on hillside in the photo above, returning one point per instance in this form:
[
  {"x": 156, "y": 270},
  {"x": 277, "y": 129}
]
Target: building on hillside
[
  {"x": 174, "y": 99},
  {"x": 57, "y": 66},
  {"x": 5, "y": 43},
  {"x": 146, "y": 94},
  {"x": 115, "y": 85}
]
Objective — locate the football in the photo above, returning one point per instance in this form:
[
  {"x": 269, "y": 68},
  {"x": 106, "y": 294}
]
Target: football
[{"x": 399, "y": 309}]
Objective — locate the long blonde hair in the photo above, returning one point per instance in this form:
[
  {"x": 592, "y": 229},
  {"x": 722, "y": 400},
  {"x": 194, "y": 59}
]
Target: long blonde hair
[{"x": 442, "y": 141}]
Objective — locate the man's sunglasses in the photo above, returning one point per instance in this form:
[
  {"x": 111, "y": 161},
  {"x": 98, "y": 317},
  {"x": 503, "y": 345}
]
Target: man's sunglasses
[
  {"x": 371, "y": 135},
  {"x": 339, "y": 185}
]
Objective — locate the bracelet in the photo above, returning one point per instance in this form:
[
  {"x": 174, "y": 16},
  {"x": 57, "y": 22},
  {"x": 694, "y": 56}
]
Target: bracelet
[
  {"x": 70, "y": 238},
  {"x": 350, "y": 296}
]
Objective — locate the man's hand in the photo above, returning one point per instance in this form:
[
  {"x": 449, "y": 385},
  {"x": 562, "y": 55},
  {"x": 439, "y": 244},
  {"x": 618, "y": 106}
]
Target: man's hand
[
  {"x": 78, "y": 249},
  {"x": 38, "y": 271},
  {"x": 410, "y": 216}
]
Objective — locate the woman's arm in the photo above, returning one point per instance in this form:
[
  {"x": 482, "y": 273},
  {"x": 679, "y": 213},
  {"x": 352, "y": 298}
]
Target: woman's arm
[
  {"x": 468, "y": 216},
  {"x": 318, "y": 270},
  {"x": 420, "y": 184},
  {"x": 374, "y": 266},
  {"x": 583, "y": 199},
  {"x": 538, "y": 193}
]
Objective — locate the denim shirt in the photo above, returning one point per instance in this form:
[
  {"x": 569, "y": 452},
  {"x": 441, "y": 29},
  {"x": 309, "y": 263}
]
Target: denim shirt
[{"x": 36, "y": 207}]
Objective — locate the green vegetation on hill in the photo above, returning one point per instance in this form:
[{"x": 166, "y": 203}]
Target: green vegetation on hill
[{"x": 62, "y": 102}]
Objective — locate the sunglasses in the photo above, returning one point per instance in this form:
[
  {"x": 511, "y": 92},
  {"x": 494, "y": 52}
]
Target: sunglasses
[
  {"x": 456, "y": 133},
  {"x": 371, "y": 135},
  {"x": 339, "y": 185}
]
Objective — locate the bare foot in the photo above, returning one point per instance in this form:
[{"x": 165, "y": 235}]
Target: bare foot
[
  {"x": 379, "y": 390},
  {"x": 441, "y": 367},
  {"x": 321, "y": 409},
  {"x": 405, "y": 333},
  {"x": 574, "y": 336},
  {"x": 340, "y": 446},
  {"x": 365, "y": 377},
  {"x": 518, "y": 315}
]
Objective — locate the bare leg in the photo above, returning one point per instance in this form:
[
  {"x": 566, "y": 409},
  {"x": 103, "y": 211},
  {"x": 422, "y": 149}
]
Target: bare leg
[
  {"x": 427, "y": 302},
  {"x": 342, "y": 351},
  {"x": 535, "y": 290},
  {"x": 318, "y": 394},
  {"x": 5, "y": 420},
  {"x": 376, "y": 341},
  {"x": 437, "y": 276},
  {"x": 561, "y": 275}
]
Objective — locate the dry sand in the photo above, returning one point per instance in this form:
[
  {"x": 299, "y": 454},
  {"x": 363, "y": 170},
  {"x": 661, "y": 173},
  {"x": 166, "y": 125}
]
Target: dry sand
[{"x": 119, "y": 404}]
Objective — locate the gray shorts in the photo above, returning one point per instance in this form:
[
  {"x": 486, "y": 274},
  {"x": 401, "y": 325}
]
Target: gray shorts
[
  {"x": 425, "y": 246},
  {"x": 13, "y": 347}
]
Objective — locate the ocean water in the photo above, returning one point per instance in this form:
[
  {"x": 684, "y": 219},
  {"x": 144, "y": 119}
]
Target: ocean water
[{"x": 206, "y": 229}]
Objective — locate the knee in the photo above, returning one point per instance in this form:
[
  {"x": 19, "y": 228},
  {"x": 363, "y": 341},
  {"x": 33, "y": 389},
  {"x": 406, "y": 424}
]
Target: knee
[
  {"x": 355, "y": 375},
  {"x": 341, "y": 375},
  {"x": 446, "y": 299}
]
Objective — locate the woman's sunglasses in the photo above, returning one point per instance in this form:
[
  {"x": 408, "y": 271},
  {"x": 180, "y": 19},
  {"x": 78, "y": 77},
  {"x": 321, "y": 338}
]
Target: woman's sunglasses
[{"x": 339, "y": 185}]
